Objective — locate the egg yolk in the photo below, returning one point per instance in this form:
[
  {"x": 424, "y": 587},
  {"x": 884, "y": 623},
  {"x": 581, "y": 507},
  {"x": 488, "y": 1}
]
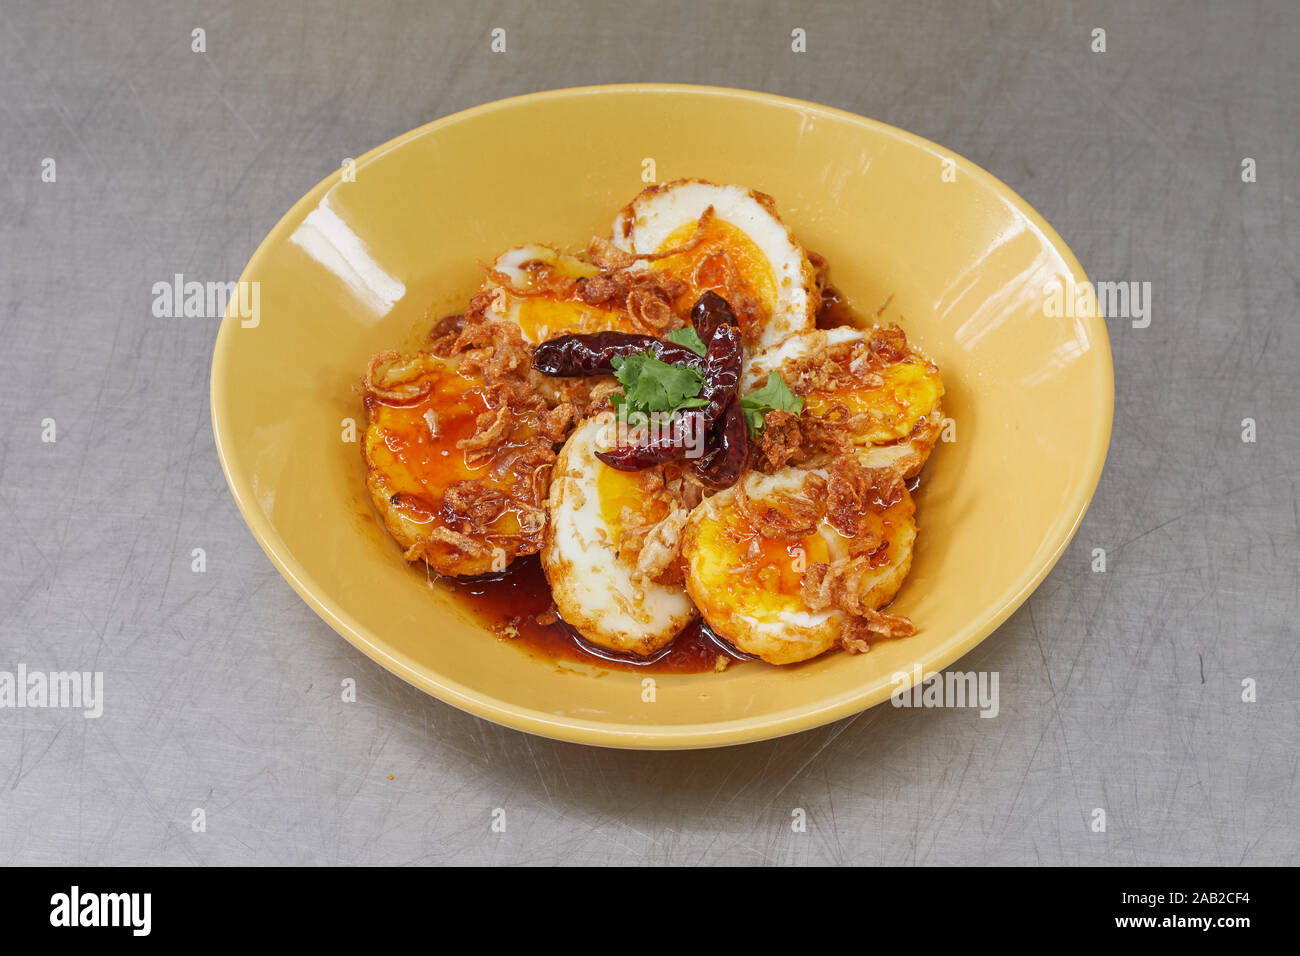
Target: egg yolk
[
  {"x": 745, "y": 571},
  {"x": 780, "y": 564},
  {"x": 625, "y": 502},
  {"x": 541, "y": 317},
  {"x": 704, "y": 266},
  {"x": 909, "y": 391}
]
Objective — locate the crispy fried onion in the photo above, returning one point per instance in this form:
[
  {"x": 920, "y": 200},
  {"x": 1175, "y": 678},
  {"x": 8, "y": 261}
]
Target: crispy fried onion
[
  {"x": 780, "y": 444},
  {"x": 790, "y": 439},
  {"x": 471, "y": 547},
  {"x": 853, "y": 496},
  {"x": 392, "y": 378},
  {"x": 839, "y": 585},
  {"x": 888, "y": 344},
  {"x": 516, "y": 437},
  {"x": 658, "y": 559},
  {"x": 854, "y": 364},
  {"x": 473, "y": 506},
  {"x": 491, "y": 348},
  {"x": 489, "y": 427},
  {"x": 649, "y": 312},
  {"x": 682, "y": 486},
  {"x": 860, "y": 632},
  {"x": 608, "y": 257},
  {"x": 599, "y": 393},
  {"x": 831, "y": 367},
  {"x": 653, "y": 547},
  {"x": 784, "y": 517},
  {"x": 476, "y": 504},
  {"x": 646, "y": 296}
]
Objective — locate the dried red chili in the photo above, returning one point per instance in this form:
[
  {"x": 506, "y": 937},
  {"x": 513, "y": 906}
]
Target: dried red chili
[
  {"x": 710, "y": 312},
  {"x": 583, "y": 354},
  {"x": 722, "y": 466},
  {"x": 721, "y": 372},
  {"x": 671, "y": 441}
]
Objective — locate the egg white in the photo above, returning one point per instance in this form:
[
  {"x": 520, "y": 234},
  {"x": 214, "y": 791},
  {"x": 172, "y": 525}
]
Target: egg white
[{"x": 594, "y": 592}]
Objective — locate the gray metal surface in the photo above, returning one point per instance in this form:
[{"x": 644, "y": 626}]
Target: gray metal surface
[{"x": 1119, "y": 690}]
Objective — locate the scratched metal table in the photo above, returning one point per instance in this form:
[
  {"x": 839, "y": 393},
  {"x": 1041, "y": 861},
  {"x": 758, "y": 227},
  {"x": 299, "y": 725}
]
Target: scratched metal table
[{"x": 1120, "y": 690}]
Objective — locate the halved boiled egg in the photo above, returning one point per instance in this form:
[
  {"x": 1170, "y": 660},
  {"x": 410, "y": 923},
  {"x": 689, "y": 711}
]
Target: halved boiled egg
[
  {"x": 773, "y": 571},
  {"x": 612, "y": 538},
  {"x": 537, "y": 288},
  {"x": 728, "y": 240},
  {"x": 882, "y": 391},
  {"x": 458, "y": 468}
]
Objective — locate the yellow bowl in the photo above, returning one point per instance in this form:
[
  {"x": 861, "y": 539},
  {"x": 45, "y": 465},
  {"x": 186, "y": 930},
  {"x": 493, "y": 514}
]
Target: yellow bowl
[{"x": 376, "y": 252}]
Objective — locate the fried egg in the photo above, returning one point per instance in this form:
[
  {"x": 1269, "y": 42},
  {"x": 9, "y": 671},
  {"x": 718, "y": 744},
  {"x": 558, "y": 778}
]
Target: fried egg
[
  {"x": 595, "y": 514},
  {"x": 533, "y": 287},
  {"x": 731, "y": 242},
  {"x": 886, "y": 391},
  {"x": 749, "y": 583},
  {"x": 463, "y": 507}
]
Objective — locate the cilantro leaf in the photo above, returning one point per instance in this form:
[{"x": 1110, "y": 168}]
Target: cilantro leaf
[
  {"x": 755, "y": 419},
  {"x": 774, "y": 395},
  {"x": 650, "y": 385},
  {"x": 690, "y": 338}
]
